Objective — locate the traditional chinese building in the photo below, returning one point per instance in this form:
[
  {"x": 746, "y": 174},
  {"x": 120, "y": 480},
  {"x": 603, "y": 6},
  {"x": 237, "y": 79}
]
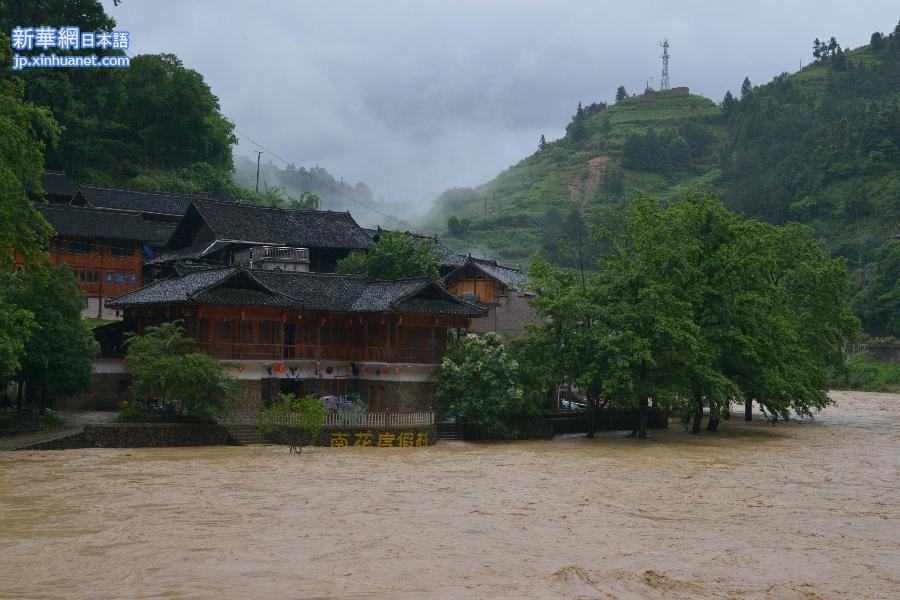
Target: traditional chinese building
[
  {"x": 498, "y": 289},
  {"x": 327, "y": 334},
  {"x": 153, "y": 206},
  {"x": 103, "y": 248},
  {"x": 223, "y": 233}
]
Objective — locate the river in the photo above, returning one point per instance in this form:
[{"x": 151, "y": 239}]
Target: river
[{"x": 802, "y": 509}]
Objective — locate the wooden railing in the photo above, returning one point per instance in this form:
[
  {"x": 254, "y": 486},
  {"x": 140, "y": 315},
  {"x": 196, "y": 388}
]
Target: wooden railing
[
  {"x": 245, "y": 351},
  {"x": 237, "y": 351},
  {"x": 355, "y": 421}
]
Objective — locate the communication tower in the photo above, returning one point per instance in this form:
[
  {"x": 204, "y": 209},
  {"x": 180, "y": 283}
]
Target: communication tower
[{"x": 664, "y": 81}]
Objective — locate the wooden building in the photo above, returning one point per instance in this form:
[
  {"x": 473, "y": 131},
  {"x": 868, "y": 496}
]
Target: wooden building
[
  {"x": 153, "y": 206},
  {"x": 498, "y": 289},
  {"x": 326, "y": 334},
  {"x": 104, "y": 248},
  {"x": 216, "y": 233}
]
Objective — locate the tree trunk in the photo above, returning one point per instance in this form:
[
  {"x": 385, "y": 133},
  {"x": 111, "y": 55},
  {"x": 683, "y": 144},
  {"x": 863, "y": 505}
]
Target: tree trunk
[
  {"x": 43, "y": 398},
  {"x": 19, "y": 391},
  {"x": 748, "y": 409},
  {"x": 642, "y": 419},
  {"x": 713, "y": 424},
  {"x": 698, "y": 413}
]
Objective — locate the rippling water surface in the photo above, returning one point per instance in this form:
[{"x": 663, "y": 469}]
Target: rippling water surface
[{"x": 806, "y": 509}]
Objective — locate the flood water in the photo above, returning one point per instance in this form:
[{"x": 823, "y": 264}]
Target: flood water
[{"x": 807, "y": 510}]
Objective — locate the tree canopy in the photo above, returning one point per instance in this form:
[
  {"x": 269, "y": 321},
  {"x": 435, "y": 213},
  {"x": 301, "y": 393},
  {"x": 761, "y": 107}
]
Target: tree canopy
[
  {"x": 693, "y": 306},
  {"x": 396, "y": 256},
  {"x": 166, "y": 367},
  {"x": 58, "y": 353},
  {"x": 478, "y": 381}
]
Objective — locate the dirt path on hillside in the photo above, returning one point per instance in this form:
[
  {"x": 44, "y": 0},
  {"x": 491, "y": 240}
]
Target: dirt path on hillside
[{"x": 805, "y": 509}]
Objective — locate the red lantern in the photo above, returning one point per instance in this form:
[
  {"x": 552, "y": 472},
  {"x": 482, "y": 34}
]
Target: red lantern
[
  {"x": 401, "y": 319},
  {"x": 437, "y": 321},
  {"x": 322, "y": 322},
  {"x": 241, "y": 369},
  {"x": 384, "y": 370},
  {"x": 349, "y": 322},
  {"x": 365, "y": 369},
  {"x": 242, "y": 315}
]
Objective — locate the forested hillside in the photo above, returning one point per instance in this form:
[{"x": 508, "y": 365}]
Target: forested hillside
[
  {"x": 155, "y": 125},
  {"x": 333, "y": 193},
  {"x": 820, "y": 147}
]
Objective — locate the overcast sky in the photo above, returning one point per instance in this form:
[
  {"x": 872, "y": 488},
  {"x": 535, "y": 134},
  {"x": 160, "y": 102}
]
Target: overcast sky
[{"x": 415, "y": 96}]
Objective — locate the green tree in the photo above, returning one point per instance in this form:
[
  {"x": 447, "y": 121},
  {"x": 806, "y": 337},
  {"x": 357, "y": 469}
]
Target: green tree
[
  {"x": 59, "y": 353},
  {"x": 26, "y": 130},
  {"x": 396, "y": 256},
  {"x": 16, "y": 327},
  {"x": 542, "y": 144},
  {"x": 305, "y": 417},
  {"x": 478, "y": 382},
  {"x": 165, "y": 366},
  {"x": 621, "y": 94},
  {"x": 729, "y": 105},
  {"x": 878, "y": 304},
  {"x": 694, "y": 307}
]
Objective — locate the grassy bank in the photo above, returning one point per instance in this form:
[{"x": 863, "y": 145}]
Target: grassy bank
[{"x": 867, "y": 373}]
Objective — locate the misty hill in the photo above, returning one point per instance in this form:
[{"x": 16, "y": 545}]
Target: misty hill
[
  {"x": 820, "y": 146},
  {"x": 334, "y": 194}
]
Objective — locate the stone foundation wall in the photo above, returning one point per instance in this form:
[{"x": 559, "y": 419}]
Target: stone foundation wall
[
  {"x": 107, "y": 391},
  {"x": 142, "y": 435},
  {"x": 400, "y": 396}
]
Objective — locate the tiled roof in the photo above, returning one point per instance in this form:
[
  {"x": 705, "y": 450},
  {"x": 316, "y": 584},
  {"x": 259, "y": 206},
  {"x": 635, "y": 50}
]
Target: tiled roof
[
  {"x": 57, "y": 183},
  {"x": 285, "y": 227},
  {"x": 166, "y": 203},
  {"x": 168, "y": 291},
  {"x": 314, "y": 291},
  {"x": 513, "y": 279},
  {"x": 77, "y": 222}
]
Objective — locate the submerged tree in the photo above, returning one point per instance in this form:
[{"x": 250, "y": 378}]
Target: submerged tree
[
  {"x": 305, "y": 417},
  {"x": 478, "y": 382},
  {"x": 696, "y": 308}
]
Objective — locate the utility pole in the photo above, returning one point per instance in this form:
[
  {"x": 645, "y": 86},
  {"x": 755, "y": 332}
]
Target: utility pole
[{"x": 258, "y": 155}]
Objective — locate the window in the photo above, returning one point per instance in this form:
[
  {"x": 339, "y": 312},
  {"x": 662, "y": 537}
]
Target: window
[
  {"x": 120, "y": 277},
  {"x": 223, "y": 330},
  {"x": 122, "y": 251},
  {"x": 266, "y": 333},
  {"x": 132, "y": 278},
  {"x": 246, "y": 331},
  {"x": 80, "y": 247},
  {"x": 110, "y": 277}
]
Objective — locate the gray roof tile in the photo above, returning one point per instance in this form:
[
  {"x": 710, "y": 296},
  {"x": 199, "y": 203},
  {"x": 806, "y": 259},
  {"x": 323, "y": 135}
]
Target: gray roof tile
[{"x": 92, "y": 223}]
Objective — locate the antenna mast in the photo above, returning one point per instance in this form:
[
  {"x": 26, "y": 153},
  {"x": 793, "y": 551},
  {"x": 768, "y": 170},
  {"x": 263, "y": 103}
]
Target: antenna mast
[{"x": 664, "y": 82}]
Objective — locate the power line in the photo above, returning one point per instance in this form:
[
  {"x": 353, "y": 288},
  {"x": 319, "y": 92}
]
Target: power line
[{"x": 324, "y": 183}]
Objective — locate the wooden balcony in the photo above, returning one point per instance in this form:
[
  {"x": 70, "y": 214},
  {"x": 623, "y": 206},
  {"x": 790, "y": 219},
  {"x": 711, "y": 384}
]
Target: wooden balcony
[{"x": 237, "y": 351}]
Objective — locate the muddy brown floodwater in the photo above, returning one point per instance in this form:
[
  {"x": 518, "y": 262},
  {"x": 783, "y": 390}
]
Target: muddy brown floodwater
[{"x": 803, "y": 509}]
